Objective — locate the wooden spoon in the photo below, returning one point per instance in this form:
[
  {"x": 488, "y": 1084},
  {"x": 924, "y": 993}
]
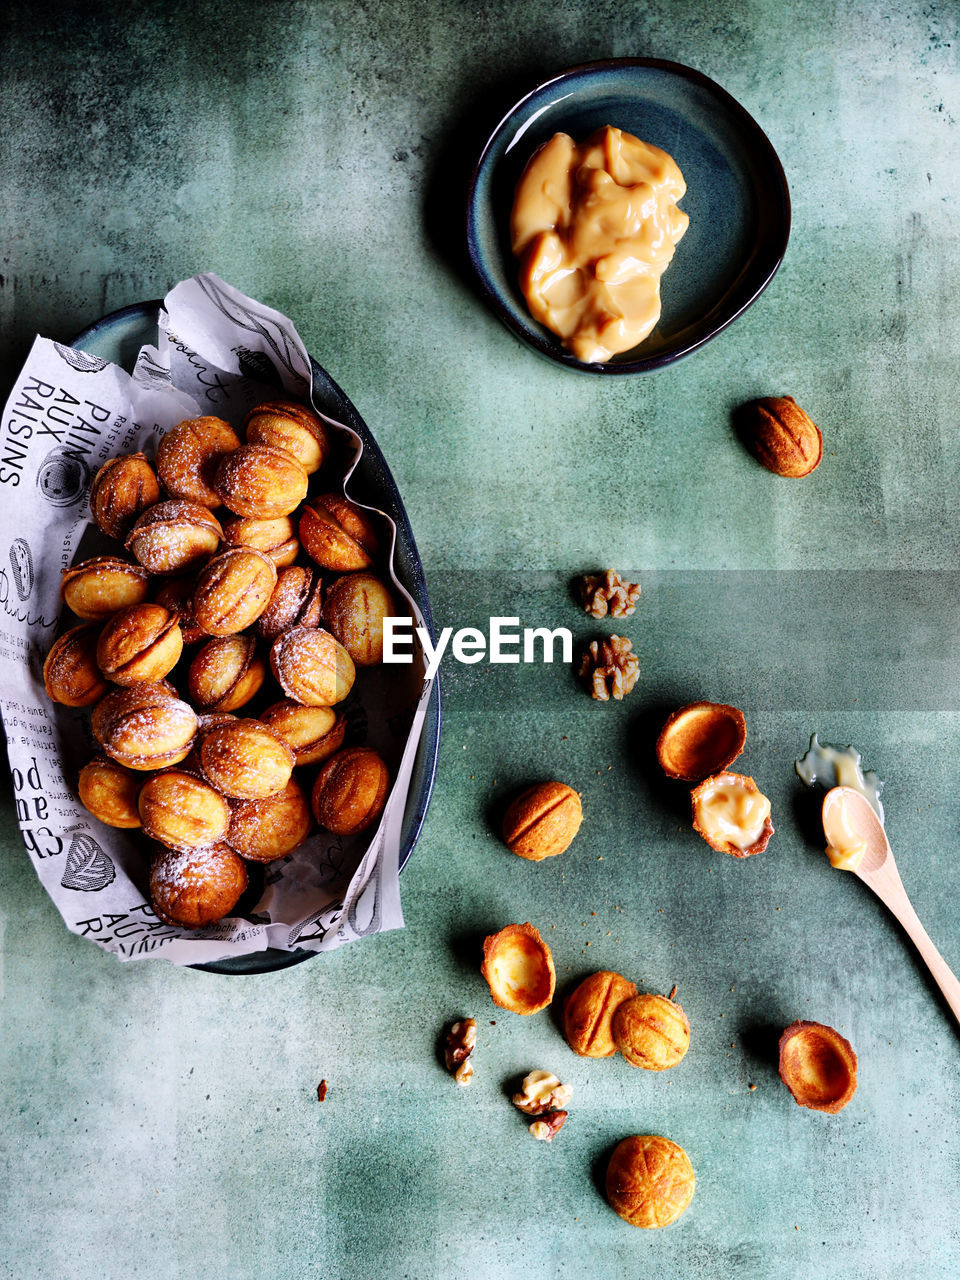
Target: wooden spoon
[{"x": 844, "y": 808}]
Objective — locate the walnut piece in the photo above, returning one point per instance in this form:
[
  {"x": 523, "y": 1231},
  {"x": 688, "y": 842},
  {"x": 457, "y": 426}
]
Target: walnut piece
[
  {"x": 608, "y": 593},
  {"x": 461, "y": 1039},
  {"x": 546, "y": 1128},
  {"x": 609, "y": 668},
  {"x": 541, "y": 1092}
]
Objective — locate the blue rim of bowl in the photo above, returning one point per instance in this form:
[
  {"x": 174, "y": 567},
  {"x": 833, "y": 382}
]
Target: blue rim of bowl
[
  {"x": 338, "y": 405},
  {"x": 541, "y": 339}
]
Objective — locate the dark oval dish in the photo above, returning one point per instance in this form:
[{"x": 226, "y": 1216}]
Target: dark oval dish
[
  {"x": 737, "y": 199},
  {"x": 118, "y": 337}
]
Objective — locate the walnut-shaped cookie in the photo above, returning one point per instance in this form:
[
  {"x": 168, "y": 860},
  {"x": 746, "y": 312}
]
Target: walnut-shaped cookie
[
  {"x": 121, "y": 491},
  {"x": 246, "y": 760},
  {"x": 144, "y": 727},
  {"x": 225, "y": 673},
  {"x": 588, "y": 1013},
  {"x": 312, "y": 667},
  {"x": 182, "y": 811},
  {"x": 292, "y": 427},
  {"x": 232, "y": 590},
  {"x": 296, "y": 602},
  {"x": 350, "y": 791},
  {"x": 260, "y": 482},
  {"x": 196, "y": 887},
  {"x": 650, "y": 1181},
  {"x": 190, "y": 453},
  {"x": 267, "y": 829},
  {"x": 110, "y": 792},
  {"x": 140, "y": 644},
  {"x": 175, "y": 536},
  {"x": 337, "y": 534},
  {"x": 354, "y": 610},
  {"x": 71, "y": 675},
  {"x": 98, "y": 588},
  {"x": 651, "y": 1031},
  {"x": 176, "y": 594},
  {"x": 276, "y": 538},
  {"x": 314, "y": 734},
  {"x": 732, "y": 814}
]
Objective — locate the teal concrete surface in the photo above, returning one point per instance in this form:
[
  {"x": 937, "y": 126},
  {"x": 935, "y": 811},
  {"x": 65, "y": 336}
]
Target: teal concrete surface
[{"x": 164, "y": 1123}]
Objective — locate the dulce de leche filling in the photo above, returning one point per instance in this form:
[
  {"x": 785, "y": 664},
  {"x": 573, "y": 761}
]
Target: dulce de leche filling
[
  {"x": 845, "y": 845},
  {"x": 730, "y": 812},
  {"x": 595, "y": 227}
]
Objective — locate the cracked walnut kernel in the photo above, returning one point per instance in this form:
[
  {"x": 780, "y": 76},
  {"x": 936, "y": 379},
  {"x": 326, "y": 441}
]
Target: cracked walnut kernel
[
  {"x": 609, "y": 668},
  {"x": 547, "y": 1126},
  {"x": 460, "y": 1042},
  {"x": 608, "y": 593},
  {"x": 541, "y": 1092}
]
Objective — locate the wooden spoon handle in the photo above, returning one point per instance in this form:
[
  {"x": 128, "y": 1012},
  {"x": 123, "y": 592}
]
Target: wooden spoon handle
[{"x": 895, "y": 898}]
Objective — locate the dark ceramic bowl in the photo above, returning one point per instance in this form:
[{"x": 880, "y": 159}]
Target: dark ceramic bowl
[
  {"x": 118, "y": 337},
  {"x": 737, "y": 199}
]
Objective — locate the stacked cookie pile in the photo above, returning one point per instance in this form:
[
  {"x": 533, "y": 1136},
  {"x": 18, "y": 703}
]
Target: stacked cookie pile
[{"x": 229, "y": 562}]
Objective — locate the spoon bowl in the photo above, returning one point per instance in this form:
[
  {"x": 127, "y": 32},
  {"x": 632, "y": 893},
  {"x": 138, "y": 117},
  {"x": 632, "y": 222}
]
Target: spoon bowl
[
  {"x": 847, "y": 813},
  {"x": 844, "y": 804}
]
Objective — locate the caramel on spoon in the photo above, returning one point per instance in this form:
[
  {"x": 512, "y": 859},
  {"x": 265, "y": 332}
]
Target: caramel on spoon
[{"x": 856, "y": 836}]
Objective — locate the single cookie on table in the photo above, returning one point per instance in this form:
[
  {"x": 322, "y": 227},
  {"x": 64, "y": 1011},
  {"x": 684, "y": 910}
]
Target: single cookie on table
[
  {"x": 110, "y": 792},
  {"x": 232, "y": 590},
  {"x": 650, "y": 1181},
  {"x": 139, "y": 645},
  {"x": 337, "y": 534},
  {"x": 276, "y": 538},
  {"x": 182, "y": 811},
  {"x": 145, "y": 727},
  {"x": 174, "y": 536},
  {"x": 101, "y": 587},
  {"x": 190, "y": 453},
  {"x": 312, "y": 733},
  {"x": 312, "y": 667},
  {"x": 226, "y": 673},
  {"x": 246, "y": 760},
  {"x": 350, "y": 791},
  {"x": 71, "y": 675},
  {"x": 267, "y": 829},
  {"x": 651, "y": 1031},
  {"x": 296, "y": 602},
  {"x": 121, "y": 491},
  {"x": 588, "y": 1013},
  {"x": 260, "y": 482},
  {"x": 354, "y": 610},
  {"x": 542, "y": 821},
  {"x": 292, "y": 427},
  {"x": 196, "y": 887}
]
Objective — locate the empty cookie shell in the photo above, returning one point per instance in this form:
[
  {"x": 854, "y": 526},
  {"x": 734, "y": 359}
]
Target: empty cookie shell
[
  {"x": 732, "y": 814},
  {"x": 700, "y": 739},
  {"x": 818, "y": 1066},
  {"x": 518, "y": 967}
]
